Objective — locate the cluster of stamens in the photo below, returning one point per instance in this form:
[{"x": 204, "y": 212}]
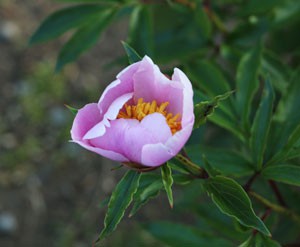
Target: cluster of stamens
[{"x": 142, "y": 109}]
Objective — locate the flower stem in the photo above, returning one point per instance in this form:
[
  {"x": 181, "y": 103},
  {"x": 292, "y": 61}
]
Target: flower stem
[
  {"x": 195, "y": 170},
  {"x": 247, "y": 186},
  {"x": 275, "y": 207},
  {"x": 277, "y": 193}
]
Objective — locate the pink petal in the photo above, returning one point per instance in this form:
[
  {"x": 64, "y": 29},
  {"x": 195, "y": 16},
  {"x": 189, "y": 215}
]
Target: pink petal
[
  {"x": 111, "y": 114},
  {"x": 152, "y": 129},
  {"x": 123, "y": 85},
  {"x": 85, "y": 119},
  {"x": 113, "y": 139},
  {"x": 188, "y": 106},
  {"x": 157, "y": 154},
  {"x": 128, "y": 136},
  {"x": 150, "y": 84},
  {"x": 106, "y": 153}
]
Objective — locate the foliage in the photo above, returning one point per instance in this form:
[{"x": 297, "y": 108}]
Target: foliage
[{"x": 254, "y": 134}]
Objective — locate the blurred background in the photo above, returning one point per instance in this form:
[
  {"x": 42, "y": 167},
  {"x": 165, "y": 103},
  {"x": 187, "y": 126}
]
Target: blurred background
[
  {"x": 50, "y": 189},
  {"x": 53, "y": 192}
]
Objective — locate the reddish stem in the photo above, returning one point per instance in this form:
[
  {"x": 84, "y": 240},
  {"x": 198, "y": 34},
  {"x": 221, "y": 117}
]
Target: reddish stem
[
  {"x": 263, "y": 217},
  {"x": 247, "y": 186},
  {"x": 277, "y": 193}
]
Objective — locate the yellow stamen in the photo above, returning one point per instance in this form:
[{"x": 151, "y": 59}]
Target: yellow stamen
[{"x": 142, "y": 109}]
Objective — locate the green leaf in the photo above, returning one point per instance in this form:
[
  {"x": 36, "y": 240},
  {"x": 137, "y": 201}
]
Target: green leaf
[
  {"x": 259, "y": 240},
  {"x": 83, "y": 39},
  {"x": 73, "y": 110},
  {"x": 182, "y": 179},
  {"x": 288, "y": 174},
  {"x": 264, "y": 6},
  {"x": 177, "y": 35},
  {"x": 207, "y": 77},
  {"x": 261, "y": 124},
  {"x": 210, "y": 170},
  {"x": 221, "y": 119},
  {"x": 141, "y": 30},
  {"x": 166, "y": 175},
  {"x": 232, "y": 200},
  {"x": 247, "y": 83},
  {"x": 287, "y": 12},
  {"x": 204, "y": 109},
  {"x": 288, "y": 115},
  {"x": 288, "y": 112},
  {"x": 132, "y": 55},
  {"x": 119, "y": 201},
  {"x": 226, "y": 161},
  {"x": 149, "y": 188},
  {"x": 176, "y": 165},
  {"x": 222, "y": 224},
  {"x": 277, "y": 70},
  {"x": 179, "y": 235},
  {"x": 63, "y": 20},
  {"x": 202, "y": 20},
  {"x": 288, "y": 150},
  {"x": 210, "y": 79},
  {"x": 293, "y": 139}
]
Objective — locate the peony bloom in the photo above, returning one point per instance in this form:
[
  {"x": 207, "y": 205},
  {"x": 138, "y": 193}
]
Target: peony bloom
[{"x": 142, "y": 119}]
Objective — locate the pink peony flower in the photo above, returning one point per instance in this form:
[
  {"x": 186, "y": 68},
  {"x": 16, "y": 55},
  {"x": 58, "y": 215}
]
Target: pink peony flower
[{"x": 142, "y": 119}]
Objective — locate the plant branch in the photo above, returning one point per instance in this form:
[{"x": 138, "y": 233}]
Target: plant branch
[
  {"x": 194, "y": 169},
  {"x": 213, "y": 17},
  {"x": 247, "y": 186},
  {"x": 275, "y": 207},
  {"x": 277, "y": 193}
]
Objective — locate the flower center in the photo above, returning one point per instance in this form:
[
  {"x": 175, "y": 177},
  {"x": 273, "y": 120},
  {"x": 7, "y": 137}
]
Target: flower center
[{"x": 142, "y": 109}]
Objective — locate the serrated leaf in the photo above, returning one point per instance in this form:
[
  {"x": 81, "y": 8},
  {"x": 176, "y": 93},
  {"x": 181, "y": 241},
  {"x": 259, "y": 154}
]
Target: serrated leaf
[
  {"x": 288, "y": 174},
  {"x": 145, "y": 194},
  {"x": 259, "y": 240},
  {"x": 83, "y": 39},
  {"x": 261, "y": 124},
  {"x": 132, "y": 55},
  {"x": 204, "y": 109},
  {"x": 146, "y": 180},
  {"x": 247, "y": 82},
  {"x": 119, "y": 201},
  {"x": 65, "y": 19},
  {"x": 72, "y": 109},
  {"x": 232, "y": 200},
  {"x": 179, "y": 235},
  {"x": 141, "y": 30},
  {"x": 166, "y": 175}
]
